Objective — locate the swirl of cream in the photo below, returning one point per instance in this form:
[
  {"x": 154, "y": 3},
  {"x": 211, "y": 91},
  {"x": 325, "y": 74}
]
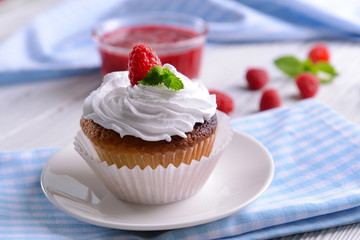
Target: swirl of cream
[{"x": 151, "y": 113}]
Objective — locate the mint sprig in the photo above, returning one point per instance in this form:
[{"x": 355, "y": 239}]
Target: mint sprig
[
  {"x": 158, "y": 75},
  {"x": 292, "y": 67}
]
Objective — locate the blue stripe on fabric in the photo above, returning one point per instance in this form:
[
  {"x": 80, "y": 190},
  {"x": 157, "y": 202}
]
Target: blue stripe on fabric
[
  {"x": 310, "y": 224},
  {"x": 291, "y": 134},
  {"x": 20, "y": 178},
  {"x": 305, "y": 139},
  {"x": 267, "y": 122},
  {"x": 330, "y": 135},
  {"x": 21, "y": 201},
  {"x": 20, "y": 170},
  {"x": 24, "y": 76}
]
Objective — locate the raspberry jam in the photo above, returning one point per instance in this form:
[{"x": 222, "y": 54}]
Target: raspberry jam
[{"x": 174, "y": 45}]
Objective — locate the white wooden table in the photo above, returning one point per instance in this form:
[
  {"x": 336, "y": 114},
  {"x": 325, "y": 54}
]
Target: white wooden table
[{"x": 45, "y": 114}]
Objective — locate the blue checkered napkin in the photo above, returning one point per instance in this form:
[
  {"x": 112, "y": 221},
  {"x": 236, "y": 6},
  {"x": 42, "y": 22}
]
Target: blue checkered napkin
[
  {"x": 25, "y": 212},
  {"x": 317, "y": 173},
  {"x": 316, "y": 184}
]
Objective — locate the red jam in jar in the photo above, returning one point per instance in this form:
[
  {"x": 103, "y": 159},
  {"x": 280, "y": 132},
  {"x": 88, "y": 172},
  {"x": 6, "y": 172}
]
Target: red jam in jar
[{"x": 178, "y": 46}]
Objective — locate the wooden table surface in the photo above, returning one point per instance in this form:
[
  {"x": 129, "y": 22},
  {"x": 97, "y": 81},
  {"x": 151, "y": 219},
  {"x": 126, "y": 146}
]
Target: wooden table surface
[{"x": 45, "y": 114}]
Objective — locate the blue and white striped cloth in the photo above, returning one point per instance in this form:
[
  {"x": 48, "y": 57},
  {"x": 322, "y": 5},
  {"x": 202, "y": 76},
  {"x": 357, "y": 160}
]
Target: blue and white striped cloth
[
  {"x": 316, "y": 184},
  {"x": 58, "y": 43}
]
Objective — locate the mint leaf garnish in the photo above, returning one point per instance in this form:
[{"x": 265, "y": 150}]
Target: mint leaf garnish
[
  {"x": 326, "y": 67},
  {"x": 153, "y": 77},
  {"x": 290, "y": 65},
  {"x": 158, "y": 75},
  {"x": 293, "y": 67},
  {"x": 171, "y": 80},
  {"x": 308, "y": 65},
  {"x": 325, "y": 72}
]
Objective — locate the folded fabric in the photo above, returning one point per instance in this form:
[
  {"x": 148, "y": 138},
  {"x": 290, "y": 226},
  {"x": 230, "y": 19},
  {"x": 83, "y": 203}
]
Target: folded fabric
[
  {"x": 58, "y": 42},
  {"x": 316, "y": 153},
  {"x": 330, "y": 18}
]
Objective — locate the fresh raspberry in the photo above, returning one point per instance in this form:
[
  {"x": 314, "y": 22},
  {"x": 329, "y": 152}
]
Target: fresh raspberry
[
  {"x": 319, "y": 53},
  {"x": 257, "y": 78},
  {"x": 270, "y": 99},
  {"x": 224, "y": 102},
  {"x": 141, "y": 59},
  {"x": 308, "y": 84}
]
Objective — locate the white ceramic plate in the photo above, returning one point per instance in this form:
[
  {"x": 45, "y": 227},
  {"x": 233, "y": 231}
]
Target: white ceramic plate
[{"x": 243, "y": 173}]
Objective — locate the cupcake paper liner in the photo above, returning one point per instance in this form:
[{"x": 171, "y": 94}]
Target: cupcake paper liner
[{"x": 160, "y": 185}]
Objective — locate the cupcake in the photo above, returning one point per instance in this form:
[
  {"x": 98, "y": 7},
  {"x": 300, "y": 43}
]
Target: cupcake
[{"x": 149, "y": 133}]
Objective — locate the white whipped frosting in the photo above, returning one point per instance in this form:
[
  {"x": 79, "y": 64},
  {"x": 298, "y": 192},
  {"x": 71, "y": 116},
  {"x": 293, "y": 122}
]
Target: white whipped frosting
[{"x": 152, "y": 113}]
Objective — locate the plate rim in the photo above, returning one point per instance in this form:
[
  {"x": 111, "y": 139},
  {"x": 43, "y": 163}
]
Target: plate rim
[{"x": 157, "y": 227}]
